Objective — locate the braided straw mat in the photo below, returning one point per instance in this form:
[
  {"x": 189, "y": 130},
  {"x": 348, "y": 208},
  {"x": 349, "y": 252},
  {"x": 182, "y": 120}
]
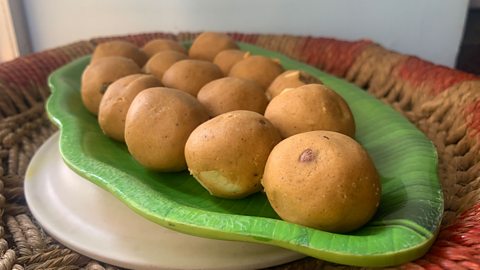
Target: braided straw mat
[{"x": 442, "y": 102}]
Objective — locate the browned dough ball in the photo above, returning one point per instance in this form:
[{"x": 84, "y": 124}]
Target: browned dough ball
[
  {"x": 257, "y": 68},
  {"x": 310, "y": 107},
  {"x": 227, "y": 154},
  {"x": 324, "y": 180},
  {"x": 290, "y": 79},
  {"x": 160, "y": 62},
  {"x": 208, "y": 44},
  {"x": 226, "y": 59},
  {"x": 231, "y": 94},
  {"x": 157, "y": 45},
  {"x": 117, "y": 100},
  {"x": 120, "y": 48},
  {"x": 157, "y": 127},
  {"x": 190, "y": 75},
  {"x": 98, "y": 75}
]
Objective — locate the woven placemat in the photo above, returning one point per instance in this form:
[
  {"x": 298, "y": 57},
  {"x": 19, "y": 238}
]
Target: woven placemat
[{"x": 442, "y": 102}]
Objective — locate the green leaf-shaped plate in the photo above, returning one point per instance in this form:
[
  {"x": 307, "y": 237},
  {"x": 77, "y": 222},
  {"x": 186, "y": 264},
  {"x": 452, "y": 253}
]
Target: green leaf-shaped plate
[{"x": 403, "y": 229}]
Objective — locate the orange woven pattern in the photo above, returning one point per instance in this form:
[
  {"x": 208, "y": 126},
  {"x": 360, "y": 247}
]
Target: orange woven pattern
[
  {"x": 435, "y": 78},
  {"x": 457, "y": 246},
  {"x": 443, "y": 103},
  {"x": 331, "y": 55}
]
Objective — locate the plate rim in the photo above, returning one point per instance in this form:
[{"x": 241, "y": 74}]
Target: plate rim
[{"x": 37, "y": 165}]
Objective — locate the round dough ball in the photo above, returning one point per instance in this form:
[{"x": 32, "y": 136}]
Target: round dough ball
[
  {"x": 290, "y": 79},
  {"x": 157, "y": 45},
  {"x": 208, "y": 44},
  {"x": 226, "y": 59},
  {"x": 310, "y": 107},
  {"x": 98, "y": 75},
  {"x": 231, "y": 94},
  {"x": 160, "y": 62},
  {"x": 117, "y": 100},
  {"x": 257, "y": 68},
  {"x": 190, "y": 75},
  {"x": 227, "y": 154},
  {"x": 120, "y": 48},
  {"x": 324, "y": 180},
  {"x": 157, "y": 127}
]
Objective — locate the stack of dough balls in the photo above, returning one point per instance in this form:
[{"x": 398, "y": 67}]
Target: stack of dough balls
[{"x": 239, "y": 123}]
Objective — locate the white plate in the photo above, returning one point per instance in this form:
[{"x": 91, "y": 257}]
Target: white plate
[{"x": 89, "y": 220}]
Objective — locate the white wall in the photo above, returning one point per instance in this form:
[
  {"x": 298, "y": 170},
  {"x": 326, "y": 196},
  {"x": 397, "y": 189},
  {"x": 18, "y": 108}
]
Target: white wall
[
  {"x": 431, "y": 29},
  {"x": 14, "y": 40}
]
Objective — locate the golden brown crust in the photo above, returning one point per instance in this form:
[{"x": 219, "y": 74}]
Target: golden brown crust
[
  {"x": 290, "y": 79},
  {"x": 310, "y": 107},
  {"x": 257, "y": 68},
  {"x": 120, "y": 48},
  {"x": 190, "y": 75},
  {"x": 322, "y": 179},
  {"x": 98, "y": 75},
  {"x": 208, "y": 44},
  {"x": 227, "y": 154},
  {"x": 117, "y": 100},
  {"x": 226, "y": 59},
  {"x": 158, "y": 124},
  {"x": 162, "y": 61},
  {"x": 158, "y": 45},
  {"x": 230, "y": 94}
]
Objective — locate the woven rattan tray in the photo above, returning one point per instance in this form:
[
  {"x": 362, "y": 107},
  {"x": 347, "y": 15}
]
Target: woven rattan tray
[{"x": 442, "y": 102}]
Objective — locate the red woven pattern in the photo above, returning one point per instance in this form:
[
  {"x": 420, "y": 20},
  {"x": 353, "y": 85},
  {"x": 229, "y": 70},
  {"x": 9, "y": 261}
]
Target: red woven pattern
[
  {"x": 436, "y": 78},
  {"x": 457, "y": 246},
  {"x": 248, "y": 38},
  {"x": 14, "y": 73},
  {"x": 332, "y": 55}
]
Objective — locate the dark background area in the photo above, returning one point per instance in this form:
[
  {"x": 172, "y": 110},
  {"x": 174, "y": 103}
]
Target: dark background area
[{"x": 469, "y": 55}]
